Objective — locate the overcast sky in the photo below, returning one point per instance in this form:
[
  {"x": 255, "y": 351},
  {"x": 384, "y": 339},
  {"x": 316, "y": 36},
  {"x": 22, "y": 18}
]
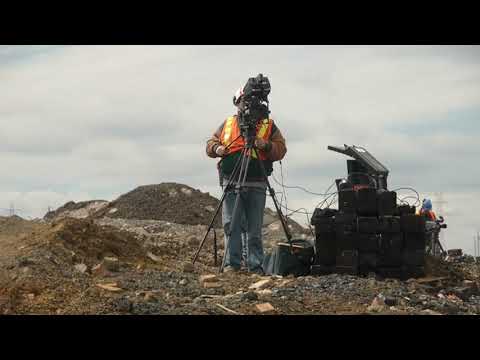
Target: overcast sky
[{"x": 88, "y": 122}]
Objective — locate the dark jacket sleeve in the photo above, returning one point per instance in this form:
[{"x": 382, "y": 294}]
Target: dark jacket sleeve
[
  {"x": 213, "y": 142},
  {"x": 278, "y": 146}
]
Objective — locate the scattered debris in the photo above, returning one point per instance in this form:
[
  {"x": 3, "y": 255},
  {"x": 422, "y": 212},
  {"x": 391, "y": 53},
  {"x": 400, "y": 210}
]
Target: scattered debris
[
  {"x": 111, "y": 263},
  {"x": 188, "y": 267},
  {"x": 430, "y": 312},
  {"x": 227, "y": 309},
  {"x": 109, "y": 287},
  {"x": 154, "y": 257},
  {"x": 43, "y": 267},
  {"x": 209, "y": 285},
  {"x": 264, "y": 308},
  {"x": 208, "y": 278},
  {"x": 260, "y": 284},
  {"x": 82, "y": 268}
]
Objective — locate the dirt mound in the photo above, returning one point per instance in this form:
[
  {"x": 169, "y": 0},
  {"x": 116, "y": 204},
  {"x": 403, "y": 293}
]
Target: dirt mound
[
  {"x": 171, "y": 202},
  {"x": 437, "y": 267},
  {"x": 91, "y": 242},
  {"x": 79, "y": 210},
  {"x": 14, "y": 224}
]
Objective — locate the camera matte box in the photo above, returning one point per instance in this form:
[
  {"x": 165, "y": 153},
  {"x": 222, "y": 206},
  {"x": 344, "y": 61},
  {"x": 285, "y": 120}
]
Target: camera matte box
[{"x": 367, "y": 202}]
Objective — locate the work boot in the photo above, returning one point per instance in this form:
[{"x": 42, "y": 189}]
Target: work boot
[
  {"x": 258, "y": 271},
  {"x": 230, "y": 269}
]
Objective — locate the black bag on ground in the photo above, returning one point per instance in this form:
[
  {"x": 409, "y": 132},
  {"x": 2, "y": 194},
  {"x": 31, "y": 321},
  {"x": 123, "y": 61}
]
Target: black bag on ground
[{"x": 290, "y": 258}]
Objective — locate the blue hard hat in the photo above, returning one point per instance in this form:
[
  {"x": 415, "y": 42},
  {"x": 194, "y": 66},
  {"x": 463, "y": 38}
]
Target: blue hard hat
[{"x": 427, "y": 204}]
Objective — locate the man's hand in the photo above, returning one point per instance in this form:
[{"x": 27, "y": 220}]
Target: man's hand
[
  {"x": 262, "y": 144},
  {"x": 220, "y": 150}
]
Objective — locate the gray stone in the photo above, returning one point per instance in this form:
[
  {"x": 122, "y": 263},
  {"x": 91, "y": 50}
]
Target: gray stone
[
  {"x": 82, "y": 268},
  {"x": 390, "y": 301},
  {"x": 249, "y": 296},
  {"x": 111, "y": 263},
  {"x": 188, "y": 267}
]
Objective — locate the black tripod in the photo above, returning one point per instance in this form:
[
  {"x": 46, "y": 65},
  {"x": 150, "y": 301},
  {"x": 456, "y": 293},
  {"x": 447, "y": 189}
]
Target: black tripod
[{"x": 239, "y": 174}]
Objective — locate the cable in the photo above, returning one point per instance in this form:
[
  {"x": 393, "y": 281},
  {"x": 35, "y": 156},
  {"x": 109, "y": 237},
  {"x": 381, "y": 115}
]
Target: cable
[
  {"x": 411, "y": 189},
  {"x": 411, "y": 197},
  {"x": 283, "y": 185},
  {"x": 305, "y": 212},
  {"x": 334, "y": 198},
  {"x": 298, "y": 187},
  {"x": 327, "y": 197}
]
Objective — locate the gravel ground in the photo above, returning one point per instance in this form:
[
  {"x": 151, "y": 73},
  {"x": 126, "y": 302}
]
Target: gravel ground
[{"x": 125, "y": 266}]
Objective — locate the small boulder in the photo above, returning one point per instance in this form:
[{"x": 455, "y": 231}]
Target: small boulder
[
  {"x": 111, "y": 263},
  {"x": 249, "y": 296},
  {"x": 81, "y": 268},
  {"x": 193, "y": 240},
  {"x": 264, "y": 308},
  {"x": 260, "y": 284},
  {"x": 208, "y": 278},
  {"x": 377, "y": 305},
  {"x": 188, "y": 267}
]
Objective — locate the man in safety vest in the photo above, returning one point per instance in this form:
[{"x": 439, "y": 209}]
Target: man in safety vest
[
  {"x": 228, "y": 143},
  {"x": 426, "y": 210}
]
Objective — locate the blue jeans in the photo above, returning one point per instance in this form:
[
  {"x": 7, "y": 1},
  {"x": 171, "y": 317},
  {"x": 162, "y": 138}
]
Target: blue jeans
[{"x": 249, "y": 229}]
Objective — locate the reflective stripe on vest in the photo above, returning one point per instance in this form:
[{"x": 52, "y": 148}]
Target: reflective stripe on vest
[
  {"x": 227, "y": 131},
  {"x": 231, "y": 132}
]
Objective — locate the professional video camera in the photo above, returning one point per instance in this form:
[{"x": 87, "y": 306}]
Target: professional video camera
[
  {"x": 254, "y": 105},
  {"x": 433, "y": 228}
]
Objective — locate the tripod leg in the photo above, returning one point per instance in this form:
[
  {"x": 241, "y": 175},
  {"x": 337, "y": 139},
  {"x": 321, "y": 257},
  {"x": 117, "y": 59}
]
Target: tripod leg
[
  {"x": 274, "y": 198},
  {"x": 240, "y": 184},
  {"x": 230, "y": 182},
  {"x": 215, "y": 247}
]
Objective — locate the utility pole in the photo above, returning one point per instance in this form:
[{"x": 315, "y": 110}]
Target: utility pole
[
  {"x": 475, "y": 241},
  {"x": 440, "y": 204},
  {"x": 478, "y": 243},
  {"x": 11, "y": 211}
]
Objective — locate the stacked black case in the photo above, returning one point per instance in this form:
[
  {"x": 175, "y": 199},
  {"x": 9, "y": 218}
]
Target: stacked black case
[{"x": 369, "y": 233}]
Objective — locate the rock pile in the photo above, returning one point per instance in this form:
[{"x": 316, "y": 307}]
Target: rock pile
[
  {"x": 171, "y": 202},
  {"x": 80, "y": 210}
]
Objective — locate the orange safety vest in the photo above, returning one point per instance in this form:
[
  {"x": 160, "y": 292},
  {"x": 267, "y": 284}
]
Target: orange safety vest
[
  {"x": 231, "y": 131},
  {"x": 428, "y": 214}
]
